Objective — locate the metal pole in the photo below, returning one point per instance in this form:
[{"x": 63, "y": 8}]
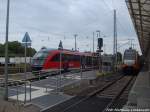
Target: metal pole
[
  {"x": 99, "y": 62},
  {"x": 17, "y": 92},
  {"x": 116, "y": 39},
  {"x": 93, "y": 53},
  {"x": 116, "y": 43},
  {"x": 104, "y": 49},
  {"x": 25, "y": 71},
  {"x": 81, "y": 73},
  {"x": 75, "y": 36},
  {"x": 81, "y": 64},
  {"x": 30, "y": 91},
  {"x": 60, "y": 68},
  {"x": 93, "y": 41},
  {"x": 98, "y": 36},
  {"x": 57, "y": 84},
  {"x": 6, "y": 51},
  {"x": 114, "y": 47},
  {"x": 39, "y": 75}
]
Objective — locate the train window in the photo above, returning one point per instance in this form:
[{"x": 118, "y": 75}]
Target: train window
[
  {"x": 72, "y": 57},
  {"x": 56, "y": 57},
  {"x": 89, "y": 60},
  {"x": 130, "y": 55},
  {"x": 41, "y": 55},
  {"x": 62, "y": 57},
  {"x": 69, "y": 57},
  {"x": 65, "y": 57},
  {"x": 76, "y": 58}
]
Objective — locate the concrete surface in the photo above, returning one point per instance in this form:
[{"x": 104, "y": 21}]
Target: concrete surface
[
  {"x": 44, "y": 92},
  {"x": 139, "y": 96}
]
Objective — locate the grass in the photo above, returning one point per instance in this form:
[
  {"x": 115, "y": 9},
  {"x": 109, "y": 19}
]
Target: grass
[{"x": 98, "y": 74}]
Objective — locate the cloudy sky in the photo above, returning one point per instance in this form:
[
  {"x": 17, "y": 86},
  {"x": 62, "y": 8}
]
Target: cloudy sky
[{"x": 49, "y": 21}]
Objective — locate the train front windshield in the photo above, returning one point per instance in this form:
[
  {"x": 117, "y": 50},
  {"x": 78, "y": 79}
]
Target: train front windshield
[
  {"x": 39, "y": 58},
  {"x": 129, "y": 55}
]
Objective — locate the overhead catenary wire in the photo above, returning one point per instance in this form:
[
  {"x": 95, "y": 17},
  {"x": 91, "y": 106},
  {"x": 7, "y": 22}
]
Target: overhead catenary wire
[{"x": 49, "y": 34}]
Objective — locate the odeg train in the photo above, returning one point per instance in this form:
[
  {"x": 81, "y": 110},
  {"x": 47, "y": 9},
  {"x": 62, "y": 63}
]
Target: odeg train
[
  {"x": 62, "y": 59},
  {"x": 131, "y": 62}
]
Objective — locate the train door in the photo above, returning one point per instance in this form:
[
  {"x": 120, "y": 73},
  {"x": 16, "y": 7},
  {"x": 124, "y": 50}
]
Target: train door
[
  {"x": 65, "y": 59},
  {"x": 83, "y": 61}
]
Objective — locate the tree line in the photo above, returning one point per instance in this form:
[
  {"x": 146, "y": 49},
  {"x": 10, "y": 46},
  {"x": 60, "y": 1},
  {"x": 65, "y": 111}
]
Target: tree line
[{"x": 15, "y": 49}]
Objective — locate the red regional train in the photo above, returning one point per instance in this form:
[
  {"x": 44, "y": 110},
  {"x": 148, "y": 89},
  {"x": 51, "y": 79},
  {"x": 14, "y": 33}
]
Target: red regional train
[
  {"x": 65, "y": 59},
  {"x": 131, "y": 62}
]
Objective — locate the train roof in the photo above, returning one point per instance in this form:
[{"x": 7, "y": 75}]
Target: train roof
[
  {"x": 67, "y": 51},
  {"x": 47, "y": 49},
  {"x": 130, "y": 50}
]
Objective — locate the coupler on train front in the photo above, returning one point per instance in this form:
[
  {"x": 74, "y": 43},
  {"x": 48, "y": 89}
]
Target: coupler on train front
[{"x": 130, "y": 70}]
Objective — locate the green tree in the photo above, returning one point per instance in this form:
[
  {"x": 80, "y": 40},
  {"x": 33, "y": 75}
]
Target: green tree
[
  {"x": 119, "y": 57},
  {"x": 16, "y": 49},
  {"x": 1, "y": 50}
]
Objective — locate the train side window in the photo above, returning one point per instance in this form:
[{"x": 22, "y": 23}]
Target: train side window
[
  {"x": 76, "y": 58},
  {"x": 69, "y": 57},
  {"x": 56, "y": 57},
  {"x": 72, "y": 57},
  {"x": 65, "y": 57},
  {"x": 62, "y": 57}
]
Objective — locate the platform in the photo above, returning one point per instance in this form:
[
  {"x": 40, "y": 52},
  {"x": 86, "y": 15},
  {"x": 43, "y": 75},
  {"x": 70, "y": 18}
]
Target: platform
[
  {"x": 44, "y": 93},
  {"x": 139, "y": 96}
]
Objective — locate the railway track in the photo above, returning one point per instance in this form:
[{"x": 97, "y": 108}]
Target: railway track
[
  {"x": 120, "y": 100},
  {"x": 103, "y": 97}
]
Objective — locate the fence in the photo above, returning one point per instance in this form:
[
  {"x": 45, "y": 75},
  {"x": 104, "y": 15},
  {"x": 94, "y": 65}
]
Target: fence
[{"x": 16, "y": 60}]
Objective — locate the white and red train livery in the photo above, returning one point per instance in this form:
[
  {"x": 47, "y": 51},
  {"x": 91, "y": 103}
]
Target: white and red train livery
[{"x": 64, "y": 59}]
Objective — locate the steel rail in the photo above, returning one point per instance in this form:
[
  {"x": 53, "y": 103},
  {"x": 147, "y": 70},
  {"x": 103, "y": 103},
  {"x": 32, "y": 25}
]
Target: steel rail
[
  {"x": 99, "y": 91},
  {"x": 118, "y": 95},
  {"x": 90, "y": 94}
]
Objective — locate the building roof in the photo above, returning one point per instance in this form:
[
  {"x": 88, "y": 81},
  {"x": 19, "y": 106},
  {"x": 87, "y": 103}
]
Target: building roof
[{"x": 140, "y": 14}]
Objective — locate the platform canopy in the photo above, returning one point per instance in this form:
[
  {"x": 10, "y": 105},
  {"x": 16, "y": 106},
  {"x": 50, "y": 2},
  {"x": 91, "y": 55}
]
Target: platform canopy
[{"x": 140, "y": 14}]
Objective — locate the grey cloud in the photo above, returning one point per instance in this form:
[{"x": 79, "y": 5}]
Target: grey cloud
[{"x": 59, "y": 18}]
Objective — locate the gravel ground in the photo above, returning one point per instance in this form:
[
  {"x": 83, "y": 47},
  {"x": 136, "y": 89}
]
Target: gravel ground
[
  {"x": 84, "y": 88},
  {"x": 15, "y": 107}
]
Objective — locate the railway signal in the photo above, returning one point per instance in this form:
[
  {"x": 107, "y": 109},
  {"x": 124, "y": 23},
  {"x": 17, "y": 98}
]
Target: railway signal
[{"x": 99, "y": 45}]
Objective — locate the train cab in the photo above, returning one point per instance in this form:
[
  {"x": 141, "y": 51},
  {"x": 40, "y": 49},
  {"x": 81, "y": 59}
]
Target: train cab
[{"x": 130, "y": 61}]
